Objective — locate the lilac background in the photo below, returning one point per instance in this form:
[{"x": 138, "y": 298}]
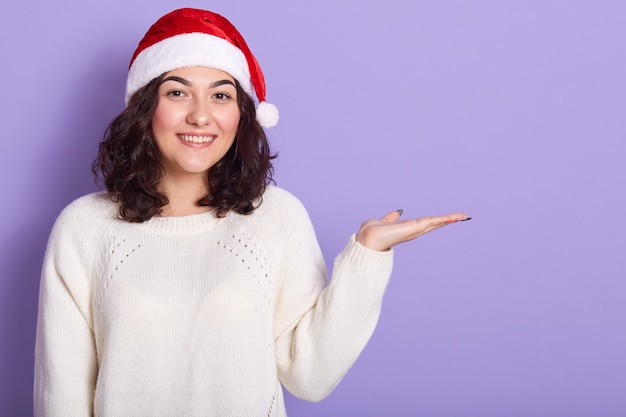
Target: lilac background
[{"x": 513, "y": 111}]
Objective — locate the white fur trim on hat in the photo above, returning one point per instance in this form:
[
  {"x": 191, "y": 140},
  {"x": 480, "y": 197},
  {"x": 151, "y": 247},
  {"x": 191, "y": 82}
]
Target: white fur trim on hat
[{"x": 187, "y": 50}]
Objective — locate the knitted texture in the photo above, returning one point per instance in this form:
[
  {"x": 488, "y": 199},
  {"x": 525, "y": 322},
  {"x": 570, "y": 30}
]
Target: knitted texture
[{"x": 195, "y": 315}]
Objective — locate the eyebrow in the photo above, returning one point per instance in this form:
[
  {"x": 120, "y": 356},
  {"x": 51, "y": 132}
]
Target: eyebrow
[
  {"x": 188, "y": 84},
  {"x": 221, "y": 82}
]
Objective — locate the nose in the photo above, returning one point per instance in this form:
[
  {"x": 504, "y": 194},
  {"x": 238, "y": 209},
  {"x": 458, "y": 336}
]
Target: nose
[{"x": 199, "y": 113}]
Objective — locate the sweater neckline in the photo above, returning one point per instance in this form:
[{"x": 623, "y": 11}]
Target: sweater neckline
[{"x": 188, "y": 224}]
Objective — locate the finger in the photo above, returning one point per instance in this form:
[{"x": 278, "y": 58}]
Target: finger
[
  {"x": 429, "y": 223},
  {"x": 392, "y": 216},
  {"x": 456, "y": 217}
]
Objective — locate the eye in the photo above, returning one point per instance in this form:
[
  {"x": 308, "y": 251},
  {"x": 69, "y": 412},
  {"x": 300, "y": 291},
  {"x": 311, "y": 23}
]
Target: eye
[
  {"x": 176, "y": 93},
  {"x": 221, "y": 96}
]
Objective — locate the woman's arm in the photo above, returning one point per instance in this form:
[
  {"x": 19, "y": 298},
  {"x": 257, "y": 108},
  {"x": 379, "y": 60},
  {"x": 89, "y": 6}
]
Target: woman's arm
[
  {"x": 65, "y": 354},
  {"x": 321, "y": 331}
]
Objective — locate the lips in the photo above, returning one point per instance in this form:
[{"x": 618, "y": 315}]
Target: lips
[{"x": 196, "y": 138}]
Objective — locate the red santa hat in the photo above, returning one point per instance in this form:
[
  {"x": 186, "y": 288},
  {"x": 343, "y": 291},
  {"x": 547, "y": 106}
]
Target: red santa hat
[{"x": 192, "y": 37}]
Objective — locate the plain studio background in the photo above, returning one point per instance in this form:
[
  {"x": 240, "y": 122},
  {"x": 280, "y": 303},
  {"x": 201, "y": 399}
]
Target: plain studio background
[{"x": 512, "y": 111}]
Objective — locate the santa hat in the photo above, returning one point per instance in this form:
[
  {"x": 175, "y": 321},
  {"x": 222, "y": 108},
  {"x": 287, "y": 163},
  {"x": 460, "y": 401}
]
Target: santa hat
[{"x": 192, "y": 37}]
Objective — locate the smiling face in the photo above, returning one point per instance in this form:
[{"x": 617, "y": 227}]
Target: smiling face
[{"x": 195, "y": 122}]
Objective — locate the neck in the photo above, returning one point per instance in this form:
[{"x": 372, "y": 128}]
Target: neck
[{"x": 183, "y": 195}]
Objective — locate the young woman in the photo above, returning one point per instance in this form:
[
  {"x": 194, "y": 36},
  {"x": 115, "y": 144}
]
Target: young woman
[{"x": 193, "y": 287}]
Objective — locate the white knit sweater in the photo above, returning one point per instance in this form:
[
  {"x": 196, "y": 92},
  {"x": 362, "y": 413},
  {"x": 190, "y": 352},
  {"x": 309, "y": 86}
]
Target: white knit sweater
[{"x": 195, "y": 315}]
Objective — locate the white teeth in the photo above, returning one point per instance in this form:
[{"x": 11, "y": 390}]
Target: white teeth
[{"x": 196, "y": 139}]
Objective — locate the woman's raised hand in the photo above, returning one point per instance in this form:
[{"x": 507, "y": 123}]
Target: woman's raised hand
[{"x": 382, "y": 234}]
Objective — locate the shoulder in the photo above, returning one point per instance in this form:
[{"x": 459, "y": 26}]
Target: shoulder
[
  {"x": 275, "y": 195},
  {"x": 94, "y": 206},
  {"x": 279, "y": 213},
  {"x": 79, "y": 227},
  {"x": 87, "y": 213},
  {"x": 278, "y": 202}
]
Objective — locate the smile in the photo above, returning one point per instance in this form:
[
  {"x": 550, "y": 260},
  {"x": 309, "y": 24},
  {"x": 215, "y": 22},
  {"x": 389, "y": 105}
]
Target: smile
[{"x": 196, "y": 139}]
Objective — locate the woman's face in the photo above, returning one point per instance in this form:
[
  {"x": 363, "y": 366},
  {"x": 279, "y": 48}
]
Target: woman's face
[{"x": 195, "y": 121}]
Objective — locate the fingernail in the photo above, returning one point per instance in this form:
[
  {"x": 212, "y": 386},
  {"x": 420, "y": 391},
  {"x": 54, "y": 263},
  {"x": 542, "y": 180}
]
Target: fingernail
[
  {"x": 464, "y": 220},
  {"x": 400, "y": 211}
]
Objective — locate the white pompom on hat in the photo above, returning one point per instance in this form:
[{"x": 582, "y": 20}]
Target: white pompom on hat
[{"x": 198, "y": 38}]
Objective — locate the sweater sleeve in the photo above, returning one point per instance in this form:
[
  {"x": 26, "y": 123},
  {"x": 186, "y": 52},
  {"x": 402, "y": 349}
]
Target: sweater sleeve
[
  {"x": 322, "y": 330},
  {"x": 65, "y": 355}
]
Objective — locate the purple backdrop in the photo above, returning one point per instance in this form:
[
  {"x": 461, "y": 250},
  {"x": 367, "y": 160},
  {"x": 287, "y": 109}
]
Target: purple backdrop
[{"x": 511, "y": 111}]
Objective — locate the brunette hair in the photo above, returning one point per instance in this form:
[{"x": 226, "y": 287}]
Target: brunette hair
[{"x": 128, "y": 161}]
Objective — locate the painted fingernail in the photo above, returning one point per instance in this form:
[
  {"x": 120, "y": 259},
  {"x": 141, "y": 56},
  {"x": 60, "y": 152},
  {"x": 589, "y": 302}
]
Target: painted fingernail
[
  {"x": 464, "y": 220},
  {"x": 400, "y": 211}
]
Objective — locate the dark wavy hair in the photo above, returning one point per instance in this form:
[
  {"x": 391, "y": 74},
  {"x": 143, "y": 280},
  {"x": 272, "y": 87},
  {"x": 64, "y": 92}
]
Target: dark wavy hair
[{"x": 128, "y": 161}]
